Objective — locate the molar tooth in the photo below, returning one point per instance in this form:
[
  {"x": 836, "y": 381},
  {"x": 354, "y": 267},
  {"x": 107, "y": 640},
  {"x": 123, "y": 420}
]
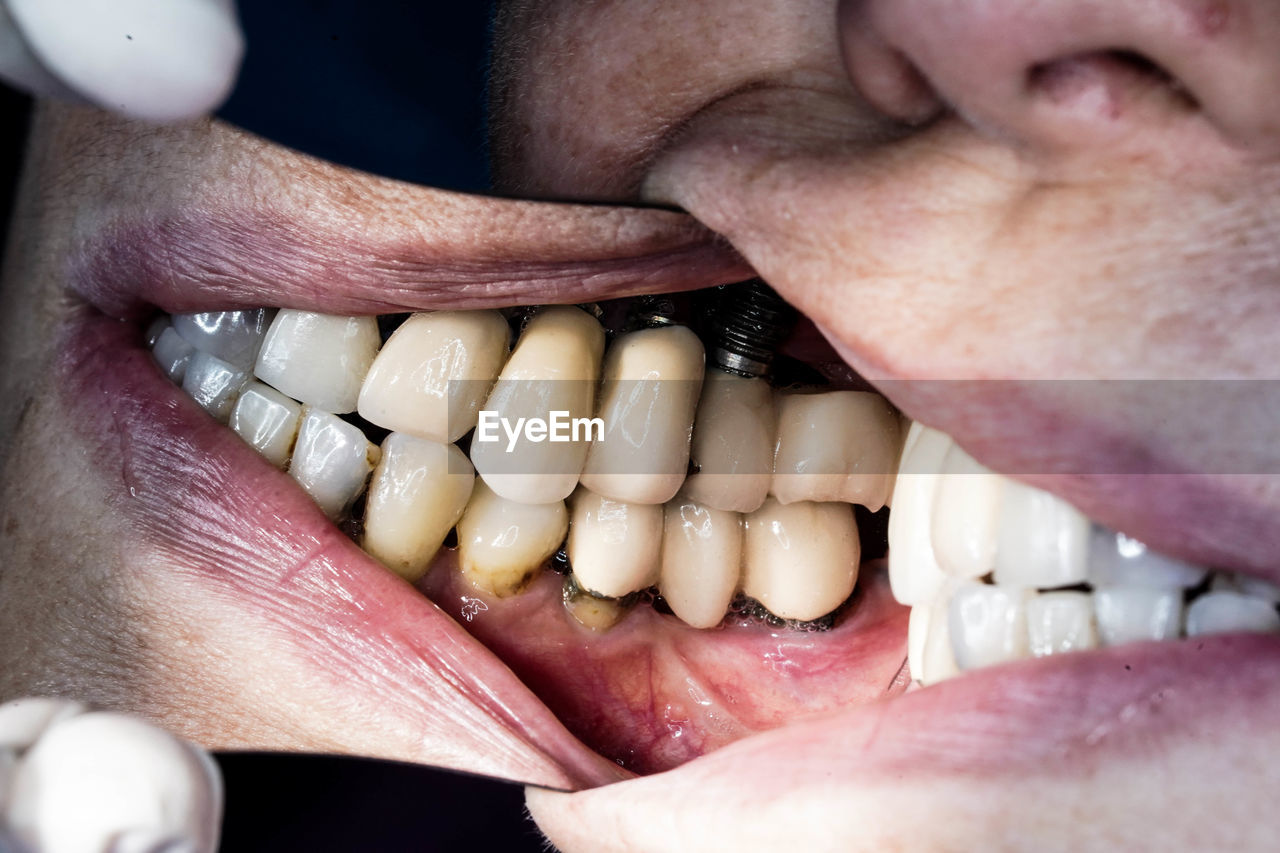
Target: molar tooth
[
  {"x": 647, "y": 400},
  {"x": 835, "y": 446},
  {"x": 214, "y": 384},
  {"x": 966, "y": 515},
  {"x": 800, "y": 560},
  {"x": 701, "y": 559},
  {"x": 1119, "y": 560},
  {"x": 1043, "y": 540},
  {"x": 332, "y": 460},
  {"x": 988, "y": 624},
  {"x": 614, "y": 547},
  {"x": 733, "y": 439},
  {"x": 502, "y": 544},
  {"x": 233, "y": 336},
  {"x": 319, "y": 359},
  {"x": 554, "y": 367},
  {"x": 173, "y": 354},
  {"x": 268, "y": 421},
  {"x": 914, "y": 574},
  {"x": 434, "y": 372},
  {"x": 1247, "y": 584},
  {"x": 1060, "y": 622},
  {"x": 417, "y": 494},
  {"x": 1230, "y": 612},
  {"x": 1133, "y": 614}
]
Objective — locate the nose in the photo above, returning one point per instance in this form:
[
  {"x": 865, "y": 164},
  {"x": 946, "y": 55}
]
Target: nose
[{"x": 1071, "y": 74}]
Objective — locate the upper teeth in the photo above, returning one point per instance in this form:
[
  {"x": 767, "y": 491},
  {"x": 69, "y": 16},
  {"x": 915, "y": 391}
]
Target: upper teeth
[{"x": 981, "y": 559}]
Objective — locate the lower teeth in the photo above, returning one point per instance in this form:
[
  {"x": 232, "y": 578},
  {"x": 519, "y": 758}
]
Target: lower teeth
[{"x": 994, "y": 570}]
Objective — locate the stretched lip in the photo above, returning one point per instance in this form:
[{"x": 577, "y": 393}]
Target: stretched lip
[{"x": 203, "y": 501}]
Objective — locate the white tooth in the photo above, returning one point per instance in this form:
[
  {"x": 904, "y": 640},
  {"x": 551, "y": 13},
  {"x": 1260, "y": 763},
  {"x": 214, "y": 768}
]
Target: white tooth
[
  {"x": 214, "y": 384},
  {"x": 701, "y": 559},
  {"x": 268, "y": 421},
  {"x": 156, "y": 328},
  {"x": 647, "y": 400},
  {"x": 937, "y": 660},
  {"x": 615, "y": 548},
  {"x": 554, "y": 367},
  {"x": 23, "y": 721},
  {"x": 1231, "y": 612},
  {"x": 914, "y": 574},
  {"x": 502, "y": 544},
  {"x": 1247, "y": 584},
  {"x": 1060, "y": 622},
  {"x": 917, "y": 636},
  {"x": 1043, "y": 541},
  {"x": 434, "y": 372},
  {"x": 800, "y": 560},
  {"x": 173, "y": 354},
  {"x": 966, "y": 515},
  {"x": 1132, "y": 614},
  {"x": 332, "y": 460},
  {"x": 1119, "y": 560},
  {"x": 988, "y": 624},
  {"x": 233, "y": 336},
  {"x": 835, "y": 446},
  {"x": 319, "y": 359},
  {"x": 418, "y": 491},
  {"x": 733, "y": 437},
  {"x": 105, "y": 781}
]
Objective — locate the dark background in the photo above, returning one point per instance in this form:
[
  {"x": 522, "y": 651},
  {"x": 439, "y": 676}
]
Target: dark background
[{"x": 395, "y": 88}]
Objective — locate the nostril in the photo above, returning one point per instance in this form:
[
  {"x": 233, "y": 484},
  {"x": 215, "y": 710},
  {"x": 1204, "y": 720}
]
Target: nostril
[{"x": 1107, "y": 81}]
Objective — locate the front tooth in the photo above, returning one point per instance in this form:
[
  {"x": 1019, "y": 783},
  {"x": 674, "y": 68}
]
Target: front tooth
[
  {"x": 417, "y": 494},
  {"x": 554, "y": 367},
  {"x": 1060, "y": 622},
  {"x": 214, "y": 384},
  {"x": 434, "y": 372},
  {"x": 800, "y": 560},
  {"x": 835, "y": 446},
  {"x": 614, "y": 547},
  {"x": 332, "y": 460},
  {"x": 966, "y": 515},
  {"x": 233, "y": 336},
  {"x": 592, "y": 612},
  {"x": 1231, "y": 612},
  {"x": 914, "y": 574},
  {"x": 917, "y": 637},
  {"x": 647, "y": 400},
  {"x": 501, "y": 543},
  {"x": 1043, "y": 541},
  {"x": 988, "y": 624},
  {"x": 733, "y": 438},
  {"x": 268, "y": 421},
  {"x": 319, "y": 359},
  {"x": 173, "y": 354},
  {"x": 1119, "y": 560},
  {"x": 701, "y": 559},
  {"x": 937, "y": 661},
  {"x": 1133, "y": 614},
  {"x": 155, "y": 329}
]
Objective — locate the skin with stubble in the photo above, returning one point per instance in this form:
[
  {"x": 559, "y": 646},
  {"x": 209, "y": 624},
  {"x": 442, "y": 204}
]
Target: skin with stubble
[{"x": 950, "y": 191}]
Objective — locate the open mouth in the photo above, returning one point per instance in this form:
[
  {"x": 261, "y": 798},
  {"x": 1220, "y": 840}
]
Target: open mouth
[{"x": 723, "y": 577}]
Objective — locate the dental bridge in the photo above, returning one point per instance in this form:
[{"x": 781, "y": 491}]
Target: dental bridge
[{"x": 723, "y": 484}]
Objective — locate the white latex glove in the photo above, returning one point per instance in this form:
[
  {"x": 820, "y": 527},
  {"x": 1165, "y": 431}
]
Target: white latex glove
[
  {"x": 73, "y": 780},
  {"x": 158, "y": 60}
]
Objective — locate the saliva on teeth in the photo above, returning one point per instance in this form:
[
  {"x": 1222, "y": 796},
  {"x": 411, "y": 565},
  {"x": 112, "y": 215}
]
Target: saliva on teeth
[{"x": 745, "y": 489}]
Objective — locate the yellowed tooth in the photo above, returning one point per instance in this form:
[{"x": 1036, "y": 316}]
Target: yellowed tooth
[
  {"x": 418, "y": 492},
  {"x": 652, "y": 378},
  {"x": 835, "y": 446},
  {"x": 555, "y": 367},
  {"x": 701, "y": 561},
  {"x": 318, "y": 359},
  {"x": 434, "y": 372},
  {"x": 614, "y": 547},
  {"x": 590, "y": 611},
  {"x": 502, "y": 544},
  {"x": 733, "y": 438},
  {"x": 800, "y": 560}
]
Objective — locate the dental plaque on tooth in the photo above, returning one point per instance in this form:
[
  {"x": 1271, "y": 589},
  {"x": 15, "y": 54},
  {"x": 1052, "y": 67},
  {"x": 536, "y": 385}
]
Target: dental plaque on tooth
[{"x": 635, "y": 459}]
